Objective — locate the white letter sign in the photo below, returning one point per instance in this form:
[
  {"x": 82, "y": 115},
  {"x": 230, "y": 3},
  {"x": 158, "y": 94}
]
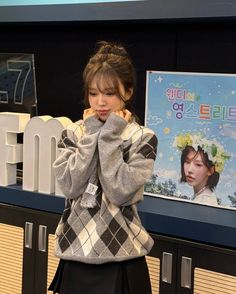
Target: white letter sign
[
  {"x": 10, "y": 152},
  {"x": 40, "y": 139}
]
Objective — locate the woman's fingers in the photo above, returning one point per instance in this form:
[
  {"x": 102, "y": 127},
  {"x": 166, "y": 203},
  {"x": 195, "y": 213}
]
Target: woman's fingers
[{"x": 88, "y": 112}]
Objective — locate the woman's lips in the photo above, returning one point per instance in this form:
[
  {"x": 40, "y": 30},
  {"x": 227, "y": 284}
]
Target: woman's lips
[
  {"x": 103, "y": 112},
  {"x": 189, "y": 178}
]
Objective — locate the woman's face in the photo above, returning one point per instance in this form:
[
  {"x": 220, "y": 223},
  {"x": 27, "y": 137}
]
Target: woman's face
[
  {"x": 196, "y": 172},
  {"x": 105, "y": 99}
]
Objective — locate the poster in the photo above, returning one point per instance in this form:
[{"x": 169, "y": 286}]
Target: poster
[{"x": 194, "y": 118}]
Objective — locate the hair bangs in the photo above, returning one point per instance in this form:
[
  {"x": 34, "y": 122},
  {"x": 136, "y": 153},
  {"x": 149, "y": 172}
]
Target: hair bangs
[{"x": 106, "y": 79}]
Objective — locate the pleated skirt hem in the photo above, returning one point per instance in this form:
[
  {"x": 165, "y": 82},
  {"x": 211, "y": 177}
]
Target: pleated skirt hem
[{"x": 126, "y": 277}]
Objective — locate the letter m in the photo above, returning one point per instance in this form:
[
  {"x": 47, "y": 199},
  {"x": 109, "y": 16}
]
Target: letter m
[{"x": 39, "y": 152}]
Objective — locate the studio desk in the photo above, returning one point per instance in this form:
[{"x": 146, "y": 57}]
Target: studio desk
[{"x": 194, "y": 245}]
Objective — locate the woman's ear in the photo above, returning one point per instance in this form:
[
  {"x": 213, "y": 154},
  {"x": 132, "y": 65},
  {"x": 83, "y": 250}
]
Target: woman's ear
[
  {"x": 211, "y": 171},
  {"x": 129, "y": 94}
]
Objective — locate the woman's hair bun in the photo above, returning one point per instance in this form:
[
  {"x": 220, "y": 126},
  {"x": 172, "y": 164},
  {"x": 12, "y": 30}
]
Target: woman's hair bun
[{"x": 105, "y": 48}]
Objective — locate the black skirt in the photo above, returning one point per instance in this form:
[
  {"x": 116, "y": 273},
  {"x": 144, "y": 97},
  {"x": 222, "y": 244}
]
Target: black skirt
[{"x": 125, "y": 277}]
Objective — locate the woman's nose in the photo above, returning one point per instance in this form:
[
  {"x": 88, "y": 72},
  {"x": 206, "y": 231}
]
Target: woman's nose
[
  {"x": 101, "y": 100},
  {"x": 190, "y": 167}
]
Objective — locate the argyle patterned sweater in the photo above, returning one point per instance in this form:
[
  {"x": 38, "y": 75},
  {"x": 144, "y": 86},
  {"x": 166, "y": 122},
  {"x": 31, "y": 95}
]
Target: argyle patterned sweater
[{"x": 111, "y": 230}]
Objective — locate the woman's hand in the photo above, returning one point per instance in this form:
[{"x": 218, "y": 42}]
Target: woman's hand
[
  {"x": 89, "y": 112},
  {"x": 124, "y": 113}
]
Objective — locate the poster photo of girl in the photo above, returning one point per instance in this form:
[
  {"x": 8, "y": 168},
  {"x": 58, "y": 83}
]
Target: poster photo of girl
[
  {"x": 202, "y": 161},
  {"x": 194, "y": 117}
]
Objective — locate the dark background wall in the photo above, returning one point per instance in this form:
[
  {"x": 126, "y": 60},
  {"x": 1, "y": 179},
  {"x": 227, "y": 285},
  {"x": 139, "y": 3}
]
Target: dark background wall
[{"x": 61, "y": 51}]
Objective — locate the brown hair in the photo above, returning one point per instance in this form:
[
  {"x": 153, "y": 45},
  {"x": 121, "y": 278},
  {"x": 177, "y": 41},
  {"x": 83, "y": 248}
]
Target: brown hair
[{"x": 111, "y": 64}]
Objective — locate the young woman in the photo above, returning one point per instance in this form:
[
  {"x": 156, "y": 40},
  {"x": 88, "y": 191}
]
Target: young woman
[
  {"x": 202, "y": 161},
  {"x": 104, "y": 161}
]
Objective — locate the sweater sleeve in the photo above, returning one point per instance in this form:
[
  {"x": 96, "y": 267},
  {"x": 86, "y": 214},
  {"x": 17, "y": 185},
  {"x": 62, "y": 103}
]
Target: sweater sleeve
[
  {"x": 122, "y": 181},
  {"x": 75, "y": 162}
]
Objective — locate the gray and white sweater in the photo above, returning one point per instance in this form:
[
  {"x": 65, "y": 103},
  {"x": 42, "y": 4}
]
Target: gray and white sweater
[{"x": 121, "y": 155}]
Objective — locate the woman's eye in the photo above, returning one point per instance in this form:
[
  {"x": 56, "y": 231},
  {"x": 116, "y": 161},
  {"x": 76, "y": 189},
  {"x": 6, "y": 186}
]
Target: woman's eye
[
  {"x": 110, "y": 93},
  {"x": 92, "y": 93},
  {"x": 199, "y": 165}
]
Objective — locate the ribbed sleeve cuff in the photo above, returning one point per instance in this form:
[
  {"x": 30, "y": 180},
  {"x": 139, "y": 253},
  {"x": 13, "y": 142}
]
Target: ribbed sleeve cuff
[
  {"x": 92, "y": 124},
  {"x": 115, "y": 123}
]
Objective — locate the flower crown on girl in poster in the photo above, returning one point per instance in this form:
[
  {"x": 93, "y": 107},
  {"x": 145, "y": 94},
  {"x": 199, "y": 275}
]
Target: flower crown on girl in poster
[{"x": 194, "y": 118}]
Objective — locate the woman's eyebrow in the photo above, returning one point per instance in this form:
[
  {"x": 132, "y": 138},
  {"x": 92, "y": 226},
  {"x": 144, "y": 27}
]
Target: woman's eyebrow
[
  {"x": 198, "y": 160},
  {"x": 109, "y": 89},
  {"x": 193, "y": 158}
]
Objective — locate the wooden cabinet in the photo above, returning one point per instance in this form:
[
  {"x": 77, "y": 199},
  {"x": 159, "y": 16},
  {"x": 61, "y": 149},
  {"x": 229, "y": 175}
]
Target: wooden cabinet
[
  {"x": 184, "y": 267},
  {"x": 162, "y": 262},
  {"x": 206, "y": 269},
  {"x": 27, "y": 263}
]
